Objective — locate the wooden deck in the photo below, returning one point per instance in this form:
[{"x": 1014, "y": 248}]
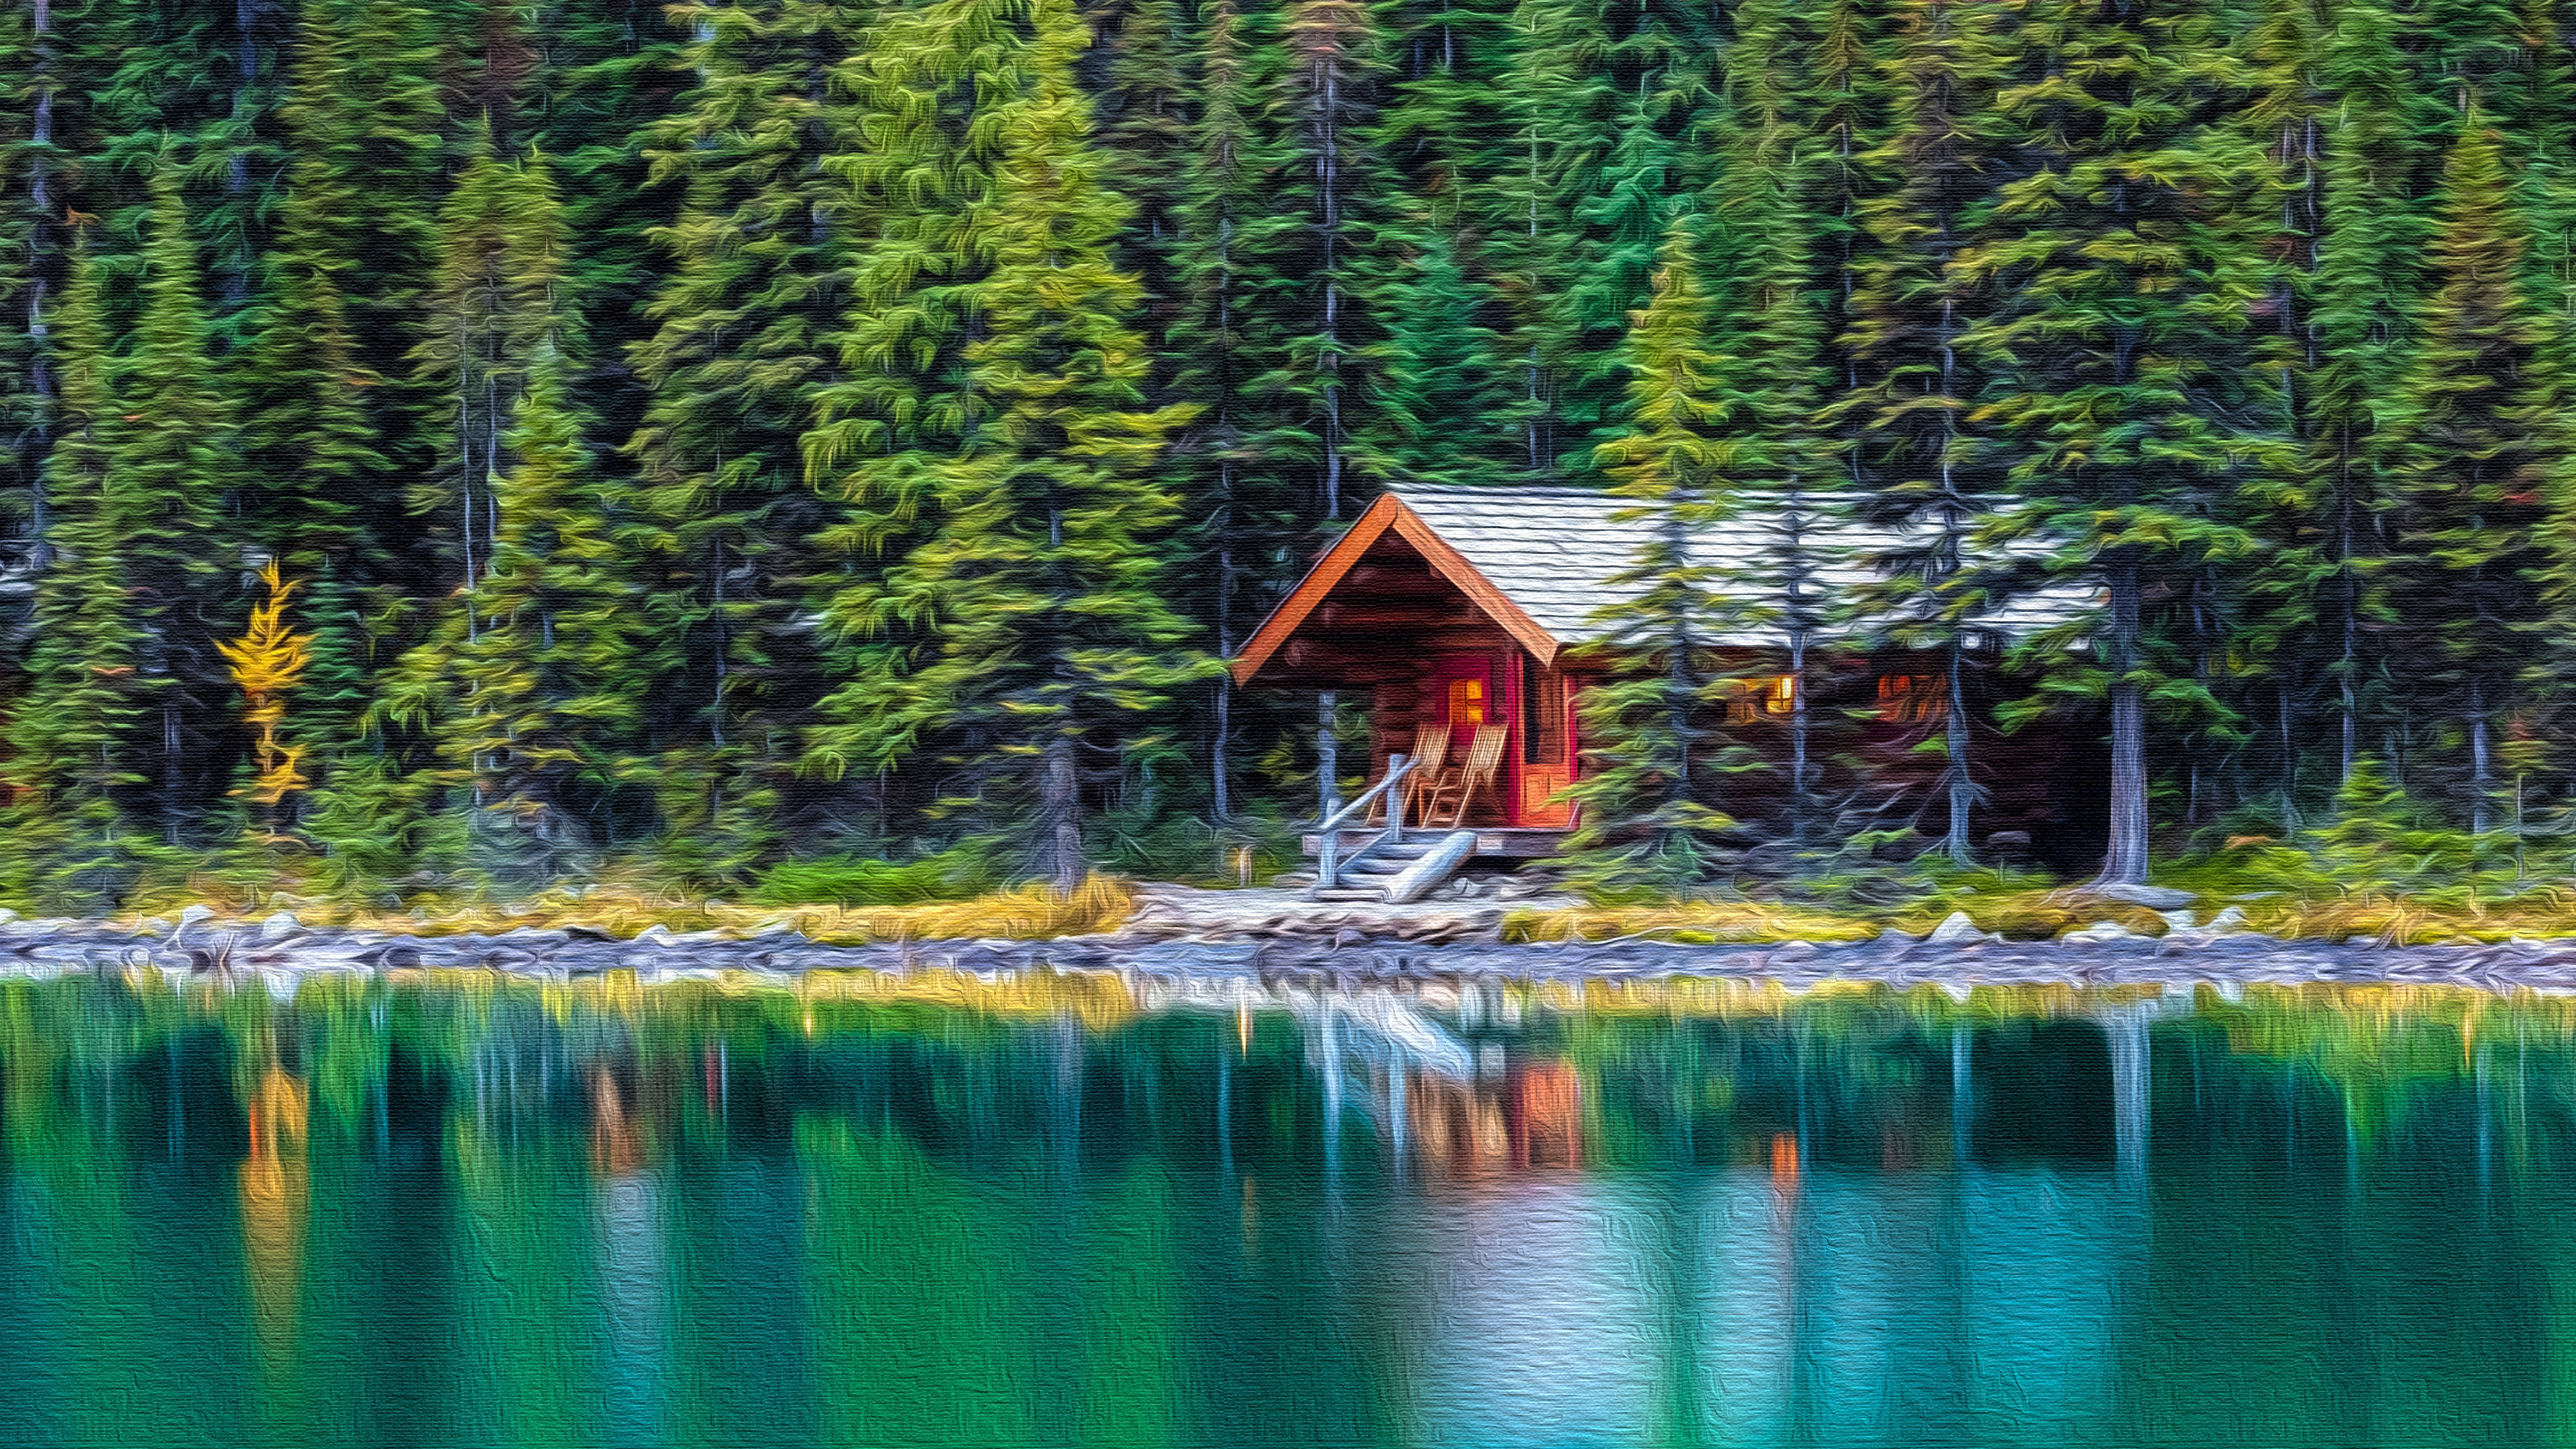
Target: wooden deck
[{"x": 1496, "y": 842}]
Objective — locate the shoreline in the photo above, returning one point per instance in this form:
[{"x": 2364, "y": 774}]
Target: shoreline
[{"x": 1160, "y": 955}]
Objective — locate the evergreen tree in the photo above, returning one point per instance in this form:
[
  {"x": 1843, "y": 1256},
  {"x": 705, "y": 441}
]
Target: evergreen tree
[
  {"x": 1446, "y": 394},
  {"x": 755, "y": 284},
  {"x": 501, "y": 261},
  {"x": 71, "y": 736},
  {"x": 1242, "y": 521},
  {"x": 30, "y": 261},
  {"x": 609, "y": 78},
  {"x": 890, "y": 421},
  {"x": 1902, "y": 415},
  {"x": 1770, "y": 372},
  {"x": 168, "y": 467},
  {"x": 2366, "y": 260},
  {"x": 1648, "y": 790},
  {"x": 1145, "y": 135},
  {"x": 2118, "y": 372},
  {"x": 532, "y": 687},
  {"x": 1042, "y": 634},
  {"x": 2481, "y": 443}
]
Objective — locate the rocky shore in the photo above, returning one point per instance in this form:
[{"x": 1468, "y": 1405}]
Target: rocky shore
[{"x": 1180, "y": 936}]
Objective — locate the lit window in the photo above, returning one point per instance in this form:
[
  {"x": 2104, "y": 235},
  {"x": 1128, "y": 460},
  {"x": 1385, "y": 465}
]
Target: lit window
[
  {"x": 1466, "y": 702},
  {"x": 1912, "y": 699}
]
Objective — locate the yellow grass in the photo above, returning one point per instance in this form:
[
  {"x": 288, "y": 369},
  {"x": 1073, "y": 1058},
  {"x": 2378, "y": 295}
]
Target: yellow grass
[
  {"x": 1694, "y": 922},
  {"x": 1029, "y": 913}
]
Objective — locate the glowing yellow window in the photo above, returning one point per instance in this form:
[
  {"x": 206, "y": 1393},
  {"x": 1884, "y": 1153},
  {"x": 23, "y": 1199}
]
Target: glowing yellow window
[{"x": 1466, "y": 702}]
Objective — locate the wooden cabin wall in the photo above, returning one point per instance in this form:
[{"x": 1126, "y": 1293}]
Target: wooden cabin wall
[
  {"x": 1394, "y": 709},
  {"x": 2045, "y": 782}
]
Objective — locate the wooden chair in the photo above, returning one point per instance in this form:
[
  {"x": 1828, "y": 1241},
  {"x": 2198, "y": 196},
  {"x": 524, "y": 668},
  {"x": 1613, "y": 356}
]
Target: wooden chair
[
  {"x": 1431, "y": 746},
  {"x": 1459, "y": 788}
]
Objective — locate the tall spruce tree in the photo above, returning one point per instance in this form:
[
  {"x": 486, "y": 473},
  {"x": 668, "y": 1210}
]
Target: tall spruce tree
[
  {"x": 2368, "y": 255},
  {"x": 755, "y": 284},
  {"x": 532, "y": 687},
  {"x": 892, "y": 417},
  {"x": 172, "y": 460},
  {"x": 1651, "y": 782},
  {"x": 72, "y": 735},
  {"x": 1038, "y": 634},
  {"x": 2481, "y": 443},
  {"x": 2117, "y": 376},
  {"x": 1903, "y": 411},
  {"x": 502, "y": 254},
  {"x": 1770, "y": 372}
]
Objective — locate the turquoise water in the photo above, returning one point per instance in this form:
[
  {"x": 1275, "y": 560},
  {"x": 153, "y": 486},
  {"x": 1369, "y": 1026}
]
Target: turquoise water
[{"x": 456, "y": 1212}]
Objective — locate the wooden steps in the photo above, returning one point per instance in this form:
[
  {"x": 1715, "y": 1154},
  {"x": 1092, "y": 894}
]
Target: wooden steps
[{"x": 1405, "y": 871}]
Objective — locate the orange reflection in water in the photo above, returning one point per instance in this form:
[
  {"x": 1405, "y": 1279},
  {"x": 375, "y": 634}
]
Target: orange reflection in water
[
  {"x": 1546, "y": 1115},
  {"x": 1456, "y": 1127},
  {"x": 616, "y": 1145},
  {"x": 276, "y": 1186},
  {"x": 1784, "y": 1162}
]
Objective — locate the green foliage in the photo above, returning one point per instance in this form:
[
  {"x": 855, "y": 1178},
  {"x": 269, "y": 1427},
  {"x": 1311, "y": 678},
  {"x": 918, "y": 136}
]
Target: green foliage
[
  {"x": 956, "y": 874},
  {"x": 1651, "y": 777},
  {"x": 1025, "y": 629},
  {"x": 860, "y": 423}
]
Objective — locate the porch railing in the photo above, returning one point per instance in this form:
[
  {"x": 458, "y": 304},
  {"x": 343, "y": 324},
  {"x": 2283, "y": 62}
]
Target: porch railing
[{"x": 1328, "y": 864}]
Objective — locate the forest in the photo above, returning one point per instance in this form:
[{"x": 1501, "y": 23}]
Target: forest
[{"x": 497, "y": 437}]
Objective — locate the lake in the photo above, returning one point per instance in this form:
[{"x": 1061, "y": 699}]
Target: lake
[{"x": 463, "y": 1209}]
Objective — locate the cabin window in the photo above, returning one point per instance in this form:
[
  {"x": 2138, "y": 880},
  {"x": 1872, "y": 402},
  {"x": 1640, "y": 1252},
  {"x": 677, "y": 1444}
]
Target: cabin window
[
  {"x": 1542, "y": 715},
  {"x": 1762, "y": 695},
  {"x": 1466, "y": 702},
  {"x": 1908, "y": 699}
]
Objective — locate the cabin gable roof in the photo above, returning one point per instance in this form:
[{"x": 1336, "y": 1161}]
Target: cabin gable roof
[
  {"x": 1391, "y": 513},
  {"x": 1544, "y": 564}
]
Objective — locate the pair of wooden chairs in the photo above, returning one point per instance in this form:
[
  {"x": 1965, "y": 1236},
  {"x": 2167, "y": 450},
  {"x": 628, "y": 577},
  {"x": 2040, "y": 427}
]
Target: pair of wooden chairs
[{"x": 1435, "y": 787}]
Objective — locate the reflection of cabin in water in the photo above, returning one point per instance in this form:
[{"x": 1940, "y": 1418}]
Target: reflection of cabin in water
[{"x": 1460, "y": 611}]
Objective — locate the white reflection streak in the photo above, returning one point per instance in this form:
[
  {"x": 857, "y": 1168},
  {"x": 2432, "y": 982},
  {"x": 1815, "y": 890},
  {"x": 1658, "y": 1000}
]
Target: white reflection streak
[
  {"x": 1544, "y": 1330},
  {"x": 633, "y": 1279}
]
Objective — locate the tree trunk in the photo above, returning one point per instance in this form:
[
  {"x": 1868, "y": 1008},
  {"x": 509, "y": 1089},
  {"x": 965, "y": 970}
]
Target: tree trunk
[
  {"x": 2126, "y": 861},
  {"x": 1963, "y": 789},
  {"x": 2481, "y": 762},
  {"x": 1060, "y": 815},
  {"x": 40, "y": 206}
]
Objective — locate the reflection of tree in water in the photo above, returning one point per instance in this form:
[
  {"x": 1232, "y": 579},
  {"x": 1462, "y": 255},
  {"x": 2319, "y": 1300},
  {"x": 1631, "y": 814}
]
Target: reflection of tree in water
[{"x": 1854, "y": 1078}]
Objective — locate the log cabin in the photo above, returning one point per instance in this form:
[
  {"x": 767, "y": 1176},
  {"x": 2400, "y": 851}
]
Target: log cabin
[{"x": 1469, "y": 607}]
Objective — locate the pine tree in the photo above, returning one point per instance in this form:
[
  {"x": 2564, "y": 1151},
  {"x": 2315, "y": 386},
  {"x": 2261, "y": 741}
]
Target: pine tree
[
  {"x": 1145, "y": 134},
  {"x": 365, "y": 129},
  {"x": 532, "y": 686},
  {"x": 502, "y": 253},
  {"x": 170, "y": 465},
  {"x": 1322, "y": 269},
  {"x": 1648, "y": 794},
  {"x": 2367, "y": 258},
  {"x": 2481, "y": 443},
  {"x": 1036, "y": 596},
  {"x": 71, "y": 737},
  {"x": 1607, "y": 260},
  {"x": 891, "y": 420},
  {"x": 1242, "y": 519},
  {"x": 2117, "y": 375},
  {"x": 1903, "y": 413},
  {"x": 609, "y": 79},
  {"x": 31, "y": 249},
  {"x": 1770, "y": 373},
  {"x": 754, "y": 288},
  {"x": 1445, "y": 392}
]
